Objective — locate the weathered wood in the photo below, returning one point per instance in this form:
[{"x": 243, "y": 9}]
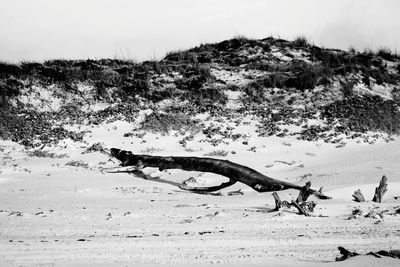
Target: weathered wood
[
  {"x": 345, "y": 254},
  {"x": 358, "y": 196},
  {"x": 206, "y": 189},
  {"x": 380, "y": 190},
  {"x": 234, "y": 171},
  {"x": 303, "y": 207},
  {"x": 304, "y": 193},
  {"x": 300, "y": 208},
  {"x": 278, "y": 202}
]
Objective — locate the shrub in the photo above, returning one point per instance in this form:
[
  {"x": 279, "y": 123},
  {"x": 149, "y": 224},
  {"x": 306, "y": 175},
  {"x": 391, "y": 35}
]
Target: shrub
[
  {"x": 347, "y": 87},
  {"x": 206, "y": 96},
  {"x": 204, "y": 71},
  {"x": 396, "y": 95},
  {"x": 307, "y": 76}
]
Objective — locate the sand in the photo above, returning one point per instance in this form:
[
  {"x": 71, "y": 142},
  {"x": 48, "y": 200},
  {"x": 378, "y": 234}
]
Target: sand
[{"x": 55, "y": 213}]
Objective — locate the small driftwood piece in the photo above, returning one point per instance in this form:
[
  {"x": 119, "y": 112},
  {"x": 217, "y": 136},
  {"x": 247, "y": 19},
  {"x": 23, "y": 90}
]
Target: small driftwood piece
[
  {"x": 300, "y": 204},
  {"x": 235, "y": 172},
  {"x": 234, "y": 193},
  {"x": 358, "y": 196},
  {"x": 345, "y": 254},
  {"x": 380, "y": 190}
]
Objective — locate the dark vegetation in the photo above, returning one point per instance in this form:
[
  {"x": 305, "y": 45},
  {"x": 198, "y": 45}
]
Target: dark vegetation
[
  {"x": 365, "y": 113},
  {"x": 26, "y": 126},
  {"x": 164, "y": 122},
  {"x": 125, "y": 84}
]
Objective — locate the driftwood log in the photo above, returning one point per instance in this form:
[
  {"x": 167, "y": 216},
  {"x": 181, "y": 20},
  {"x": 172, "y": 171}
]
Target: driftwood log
[
  {"x": 380, "y": 190},
  {"x": 358, "y": 196},
  {"x": 233, "y": 171}
]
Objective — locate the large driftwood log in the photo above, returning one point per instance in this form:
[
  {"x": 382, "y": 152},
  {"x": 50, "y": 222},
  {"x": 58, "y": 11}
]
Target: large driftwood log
[{"x": 234, "y": 171}]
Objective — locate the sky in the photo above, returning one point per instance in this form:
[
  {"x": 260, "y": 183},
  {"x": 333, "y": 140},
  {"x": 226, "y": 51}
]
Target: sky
[{"x": 37, "y": 30}]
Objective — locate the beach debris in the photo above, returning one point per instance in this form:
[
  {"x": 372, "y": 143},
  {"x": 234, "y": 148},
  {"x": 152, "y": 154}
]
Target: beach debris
[
  {"x": 285, "y": 162},
  {"x": 345, "y": 254},
  {"x": 234, "y": 193},
  {"x": 358, "y": 196},
  {"x": 301, "y": 204},
  {"x": 235, "y": 172},
  {"x": 380, "y": 190},
  {"x": 355, "y": 213}
]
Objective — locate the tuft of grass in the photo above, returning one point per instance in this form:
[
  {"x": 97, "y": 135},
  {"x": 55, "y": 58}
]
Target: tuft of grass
[
  {"x": 301, "y": 41},
  {"x": 217, "y": 153},
  {"x": 181, "y": 56},
  {"x": 151, "y": 150},
  {"x": 352, "y": 50},
  {"x": 94, "y": 148},
  {"x": 46, "y": 154},
  {"x": 77, "y": 163},
  {"x": 387, "y": 54},
  {"x": 240, "y": 37}
]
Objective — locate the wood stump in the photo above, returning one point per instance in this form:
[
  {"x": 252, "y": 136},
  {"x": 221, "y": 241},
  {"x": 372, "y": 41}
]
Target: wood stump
[{"x": 380, "y": 190}]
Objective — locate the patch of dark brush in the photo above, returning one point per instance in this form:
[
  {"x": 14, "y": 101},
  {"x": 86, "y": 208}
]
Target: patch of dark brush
[{"x": 365, "y": 113}]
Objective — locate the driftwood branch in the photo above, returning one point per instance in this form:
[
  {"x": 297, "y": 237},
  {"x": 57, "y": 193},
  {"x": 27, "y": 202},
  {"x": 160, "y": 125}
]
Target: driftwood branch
[
  {"x": 234, "y": 171},
  {"x": 300, "y": 204},
  {"x": 206, "y": 189},
  {"x": 278, "y": 201},
  {"x": 304, "y": 193},
  {"x": 380, "y": 190},
  {"x": 358, "y": 196}
]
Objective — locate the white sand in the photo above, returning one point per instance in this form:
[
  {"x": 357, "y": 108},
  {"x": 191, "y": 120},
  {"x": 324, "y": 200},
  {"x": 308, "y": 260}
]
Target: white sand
[{"x": 47, "y": 206}]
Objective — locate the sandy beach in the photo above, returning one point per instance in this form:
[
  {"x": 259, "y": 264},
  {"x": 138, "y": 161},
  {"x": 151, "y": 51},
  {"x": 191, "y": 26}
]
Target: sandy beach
[{"x": 53, "y": 211}]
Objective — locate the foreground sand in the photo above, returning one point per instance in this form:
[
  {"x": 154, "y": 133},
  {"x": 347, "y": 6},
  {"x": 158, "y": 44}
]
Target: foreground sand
[{"x": 51, "y": 212}]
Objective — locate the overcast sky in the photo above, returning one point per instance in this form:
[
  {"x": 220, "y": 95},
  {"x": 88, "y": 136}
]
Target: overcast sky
[{"x": 133, "y": 29}]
